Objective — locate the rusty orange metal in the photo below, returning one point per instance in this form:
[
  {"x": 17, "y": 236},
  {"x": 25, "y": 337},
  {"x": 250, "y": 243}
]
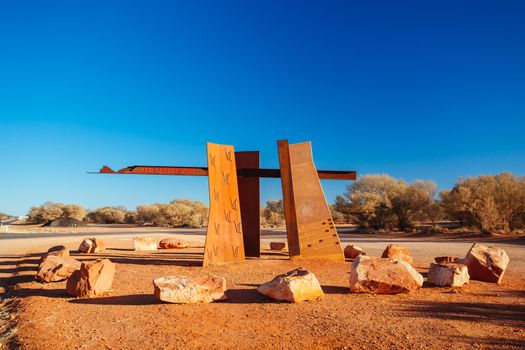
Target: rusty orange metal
[
  {"x": 310, "y": 228},
  {"x": 203, "y": 171},
  {"x": 224, "y": 238}
]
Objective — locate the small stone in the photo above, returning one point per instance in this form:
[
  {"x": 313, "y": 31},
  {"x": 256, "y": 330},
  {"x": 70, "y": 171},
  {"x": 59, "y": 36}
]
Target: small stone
[
  {"x": 144, "y": 244},
  {"x": 55, "y": 268},
  {"x": 448, "y": 274},
  {"x": 383, "y": 276},
  {"x": 94, "y": 278},
  {"x": 277, "y": 245},
  {"x": 397, "y": 252},
  {"x": 173, "y": 243},
  {"x": 445, "y": 259},
  {"x": 92, "y": 245},
  {"x": 184, "y": 290},
  {"x": 294, "y": 286},
  {"x": 353, "y": 251},
  {"x": 486, "y": 263}
]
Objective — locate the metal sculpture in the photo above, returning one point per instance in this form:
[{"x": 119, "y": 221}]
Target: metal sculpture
[{"x": 310, "y": 228}]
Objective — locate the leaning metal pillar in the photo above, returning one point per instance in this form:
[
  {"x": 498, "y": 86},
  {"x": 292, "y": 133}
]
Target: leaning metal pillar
[{"x": 309, "y": 225}]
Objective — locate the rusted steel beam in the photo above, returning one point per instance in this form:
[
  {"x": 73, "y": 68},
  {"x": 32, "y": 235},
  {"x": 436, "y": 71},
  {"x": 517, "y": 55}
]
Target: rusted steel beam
[
  {"x": 249, "y": 197},
  {"x": 157, "y": 170},
  {"x": 203, "y": 171}
]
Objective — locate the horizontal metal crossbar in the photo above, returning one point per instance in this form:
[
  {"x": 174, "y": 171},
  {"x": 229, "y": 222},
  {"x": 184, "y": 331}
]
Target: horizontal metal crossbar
[{"x": 203, "y": 171}]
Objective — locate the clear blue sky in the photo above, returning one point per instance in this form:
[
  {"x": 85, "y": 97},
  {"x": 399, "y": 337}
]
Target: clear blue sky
[{"x": 418, "y": 89}]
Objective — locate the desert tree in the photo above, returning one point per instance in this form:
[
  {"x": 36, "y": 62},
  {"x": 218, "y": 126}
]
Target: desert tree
[
  {"x": 424, "y": 202},
  {"x": 180, "y": 212},
  {"x": 50, "y": 211},
  {"x": 487, "y": 202},
  {"x": 369, "y": 200},
  {"x": 273, "y": 213},
  {"x": 107, "y": 215}
]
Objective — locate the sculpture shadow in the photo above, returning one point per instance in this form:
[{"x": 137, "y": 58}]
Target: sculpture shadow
[
  {"x": 511, "y": 314},
  {"x": 247, "y": 296},
  {"x": 150, "y": 260},
  {"x": 133, "y": 299},
  {"x": 41, "y": 292},
  {"x": 335, "y": 290},
  {"x": 504, "y": 293},
  {"x": 15, "y": 268},
  {"x": 274, "y": 253}
]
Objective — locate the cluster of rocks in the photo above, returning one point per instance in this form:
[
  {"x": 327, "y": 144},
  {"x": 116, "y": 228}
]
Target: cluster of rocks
[
  {"x": 91, "y": 278},
  {"x": 391, "y": 273},
  {"x": 84, "y": 279},
  {"x": 294, "y": 287}
]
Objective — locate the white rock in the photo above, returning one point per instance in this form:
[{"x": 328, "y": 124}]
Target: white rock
[
  {"x": 383, "y": 276},
  {"x": 183, "y": 290},
  {"x": 144, "y": 244},
  {"x": 448, "y": 274},
  {"x": 294, "y": 286}
]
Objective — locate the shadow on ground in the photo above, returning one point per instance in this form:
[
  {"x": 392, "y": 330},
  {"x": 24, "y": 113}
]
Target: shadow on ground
[
  {"x": 509, "y": 314},
  {"x": 134, "y": 299}
]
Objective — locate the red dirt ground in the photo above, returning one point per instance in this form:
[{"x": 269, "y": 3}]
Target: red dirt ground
[{"x": 479, "y": 316}]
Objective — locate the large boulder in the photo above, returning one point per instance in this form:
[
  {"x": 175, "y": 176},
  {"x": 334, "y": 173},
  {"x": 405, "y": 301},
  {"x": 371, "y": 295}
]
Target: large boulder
[
  {"x": 486, "y": 263},
  {"x": 94, "y": 278},
  {"x": 294, "y": 286},
  {"x": 397, "y": 252},
  {"x": 448, "y": 274},
  {"x": 183, "y": 290},
  {"x": 383, "y": 276},
  {"x": 92, "y": 245},
  {"x": 353, "y": 251},
  {"x": 144, "y": 244},
  {"x": 55, "y": 268},
  {"x": 173, "y": 243},
  {"x": 277, "y": 245}
]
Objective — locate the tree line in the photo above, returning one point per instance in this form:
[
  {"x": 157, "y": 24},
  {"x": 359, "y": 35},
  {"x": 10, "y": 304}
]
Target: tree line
[
  {"x": 484, "y": 203},
  {"x": 177, "y": 213},
  {"x": 374, "y": 202}
]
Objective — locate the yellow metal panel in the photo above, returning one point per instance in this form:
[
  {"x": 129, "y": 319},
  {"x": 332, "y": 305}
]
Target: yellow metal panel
[{"x": 224, "y": 239}]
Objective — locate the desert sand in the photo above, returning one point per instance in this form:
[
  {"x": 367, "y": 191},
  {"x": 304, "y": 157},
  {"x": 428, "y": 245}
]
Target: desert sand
[{"x": 43, "y": 316}]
